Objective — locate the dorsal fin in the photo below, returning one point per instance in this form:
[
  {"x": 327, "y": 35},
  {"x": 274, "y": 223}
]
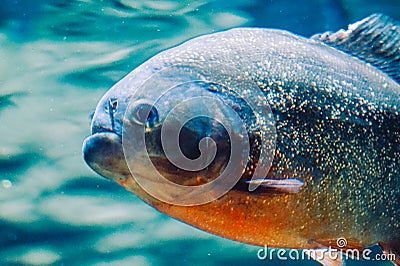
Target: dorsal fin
[{"x": 375, "y": 40}]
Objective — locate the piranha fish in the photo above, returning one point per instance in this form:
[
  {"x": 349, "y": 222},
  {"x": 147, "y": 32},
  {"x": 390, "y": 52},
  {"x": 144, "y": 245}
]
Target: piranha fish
[{"x": 333, "y": 108}]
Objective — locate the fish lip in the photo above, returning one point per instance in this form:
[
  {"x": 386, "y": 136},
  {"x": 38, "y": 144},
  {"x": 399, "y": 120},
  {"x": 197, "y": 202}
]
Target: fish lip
[
  {"x": 103, "y": 137},
  {"x": 103, "y": 153},
  {"x": 101, "y": 134},
  {"x": 99, "y": 130}
]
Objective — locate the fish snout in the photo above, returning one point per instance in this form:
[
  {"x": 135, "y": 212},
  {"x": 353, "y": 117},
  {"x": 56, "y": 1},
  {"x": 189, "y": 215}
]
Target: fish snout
[{"x": 103, "y": 152}]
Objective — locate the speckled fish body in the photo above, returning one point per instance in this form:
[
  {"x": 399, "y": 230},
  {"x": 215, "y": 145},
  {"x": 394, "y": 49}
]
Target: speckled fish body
[{"x": 338, "y": 131}]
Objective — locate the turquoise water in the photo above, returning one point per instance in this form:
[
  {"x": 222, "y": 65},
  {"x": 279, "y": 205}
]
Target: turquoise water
[{"x": 57, "y": 59}]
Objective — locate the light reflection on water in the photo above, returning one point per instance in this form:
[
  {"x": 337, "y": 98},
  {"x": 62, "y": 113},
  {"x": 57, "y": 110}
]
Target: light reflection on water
[{"x": 56, "y": 60}]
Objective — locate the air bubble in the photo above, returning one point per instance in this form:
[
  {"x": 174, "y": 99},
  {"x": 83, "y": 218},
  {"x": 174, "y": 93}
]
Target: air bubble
[{"x": 6, "y": 183}]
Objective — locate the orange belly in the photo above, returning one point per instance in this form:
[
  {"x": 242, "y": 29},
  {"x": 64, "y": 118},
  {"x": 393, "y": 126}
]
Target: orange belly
[{"x": 275, "y": 220}]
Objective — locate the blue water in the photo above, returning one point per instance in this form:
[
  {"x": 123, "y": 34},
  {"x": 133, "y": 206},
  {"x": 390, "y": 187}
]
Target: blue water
[{"x": 57, "y": 59}]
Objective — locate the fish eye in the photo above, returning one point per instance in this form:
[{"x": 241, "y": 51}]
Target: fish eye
[{"x": 145, "y": 113}]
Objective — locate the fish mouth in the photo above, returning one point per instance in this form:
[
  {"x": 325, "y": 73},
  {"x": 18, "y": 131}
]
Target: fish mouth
[{"x": 103, "y": 152}]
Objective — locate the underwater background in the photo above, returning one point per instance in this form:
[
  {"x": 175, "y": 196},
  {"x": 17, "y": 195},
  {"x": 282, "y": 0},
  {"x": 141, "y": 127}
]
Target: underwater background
[{"x": 57, "y": 58}]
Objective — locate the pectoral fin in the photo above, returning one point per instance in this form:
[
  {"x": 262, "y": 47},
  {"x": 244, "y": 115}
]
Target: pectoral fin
[
  {"x": 392, "y": 250},
  {"x": 324, "y": 258},
  {"x": 289, "y": 185},
  {"x": 340, "y": 243}
]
